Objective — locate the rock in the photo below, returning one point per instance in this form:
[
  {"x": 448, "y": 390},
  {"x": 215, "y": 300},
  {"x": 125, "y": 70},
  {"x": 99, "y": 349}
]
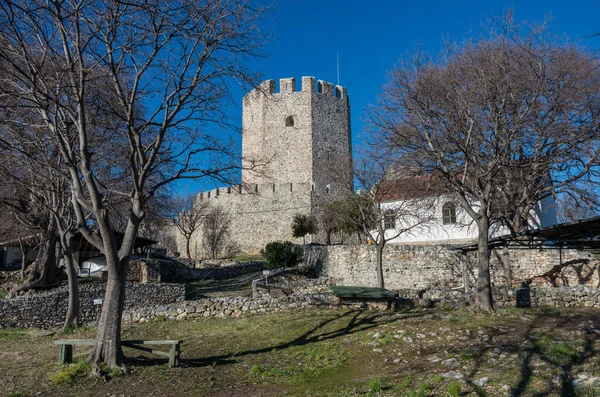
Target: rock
[
  {"x": 377, "y": 335},
  {"x": 421, "y": 336},
  {"x": 505, "y": 388},
  {"x": 378, "y": 350},
  {"x": 481, "y": 382},
  {"x": 397, "y": 361},
  {"x": 407, "y": 339},
  {"x": 373, "y": 343},
  {"x": 451, "y": 362},
  {"x": 452, "y": 375}
]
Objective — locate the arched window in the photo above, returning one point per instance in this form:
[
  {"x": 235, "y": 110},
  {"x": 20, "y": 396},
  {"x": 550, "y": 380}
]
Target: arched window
[
  {"x": 449, "y": 213},
  {"x": 289, "y": 121}
]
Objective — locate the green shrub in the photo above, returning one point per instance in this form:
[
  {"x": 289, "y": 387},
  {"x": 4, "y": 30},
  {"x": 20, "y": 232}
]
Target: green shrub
[{"x": 282, "y": 254}]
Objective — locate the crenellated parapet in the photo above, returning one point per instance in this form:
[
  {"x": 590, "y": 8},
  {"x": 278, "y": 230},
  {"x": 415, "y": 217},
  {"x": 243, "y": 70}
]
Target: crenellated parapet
[
  {"x": 288, "y": 86},
  {"x": 255, "y": 189}
]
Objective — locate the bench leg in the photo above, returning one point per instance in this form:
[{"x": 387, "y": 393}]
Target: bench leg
[
  {"x": 174, "y": 355},
  {"x": 66, "y": 354}
]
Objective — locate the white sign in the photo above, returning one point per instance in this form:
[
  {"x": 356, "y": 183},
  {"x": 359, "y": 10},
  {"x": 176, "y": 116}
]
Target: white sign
[
  {"x": 266, "y": 272},
  {"x": 97, "y": 301}
]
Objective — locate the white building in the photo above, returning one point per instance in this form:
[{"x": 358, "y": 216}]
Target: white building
[{"x": 448, "y": 223}]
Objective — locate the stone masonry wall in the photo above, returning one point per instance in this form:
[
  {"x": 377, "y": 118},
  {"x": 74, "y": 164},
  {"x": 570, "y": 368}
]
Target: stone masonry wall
[
  {"x": 424, "y": 266},
  {"x": 48, "y": 309},
  {"x": 302, "y": 140},
  {"x": 258, "y": 216}
]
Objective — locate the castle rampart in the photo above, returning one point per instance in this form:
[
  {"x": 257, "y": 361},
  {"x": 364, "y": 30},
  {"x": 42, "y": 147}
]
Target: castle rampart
[{"x": 303, "y": 140}]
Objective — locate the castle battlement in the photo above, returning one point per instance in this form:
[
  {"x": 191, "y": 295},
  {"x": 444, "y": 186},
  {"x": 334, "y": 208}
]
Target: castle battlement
[
  {"x": 288, "y": 86},
  {"x": 263, "y": 189}
]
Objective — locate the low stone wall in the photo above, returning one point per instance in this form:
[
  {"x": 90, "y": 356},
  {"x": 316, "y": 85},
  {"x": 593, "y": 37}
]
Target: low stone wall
[
  {"x": 48, "y": 309},
  {"x": 577, "y": 296},
  {"x": 424, "y": 266},
  {"x": 294, "y": 280},
  {"x": 231, "y": 307}
]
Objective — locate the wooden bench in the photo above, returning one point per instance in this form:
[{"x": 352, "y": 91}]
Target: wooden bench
[
  {"x": 364, "y": 294},
  {"x": 66, "y": 348}
]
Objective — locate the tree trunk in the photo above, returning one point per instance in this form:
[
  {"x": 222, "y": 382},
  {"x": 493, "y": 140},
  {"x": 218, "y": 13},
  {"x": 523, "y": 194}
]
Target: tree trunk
[
  {"x": 504, "y": 260},
  {"x": 107, "y": 348},
  {"x": 379, "y": 250},
  {"x": 72, "y": 318},
  {"x": 464, "y": 261},
  {"x": 484, "y": 300},
  {"x": 187, "y": 246},
  {"x": 42, "y": 272},
  {"x": 23, "y": 257}
]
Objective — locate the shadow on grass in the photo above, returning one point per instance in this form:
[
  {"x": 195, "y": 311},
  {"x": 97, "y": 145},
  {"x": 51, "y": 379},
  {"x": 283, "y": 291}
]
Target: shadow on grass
[
  {"x": 539, "y": 341},
  {"x": 236, "y": 286},
  {"x": 357, "y": 320}
]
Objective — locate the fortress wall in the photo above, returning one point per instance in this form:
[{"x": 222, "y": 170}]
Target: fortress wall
[{"x": 258, "y": 217}]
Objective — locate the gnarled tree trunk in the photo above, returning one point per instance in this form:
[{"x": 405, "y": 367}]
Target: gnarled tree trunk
[{"x": 42, "y": 272}]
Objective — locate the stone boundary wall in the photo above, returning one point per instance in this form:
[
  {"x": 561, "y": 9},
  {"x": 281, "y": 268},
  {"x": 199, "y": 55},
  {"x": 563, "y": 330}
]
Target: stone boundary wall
[
  {"x": 298, "y": 282},
  {"x": 157, "y": 270},
  {"x": 577, "y": 296},
  {"x": 231, "y": 307},
  {"x": 424, "y": 266},
  {"x": 48, "y": 309}
]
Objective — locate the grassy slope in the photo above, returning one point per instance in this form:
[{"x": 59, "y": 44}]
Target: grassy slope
[{"x": 329, "y": 353}]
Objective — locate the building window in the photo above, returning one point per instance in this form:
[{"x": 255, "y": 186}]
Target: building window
[
  {"x": 389, "y": 220},
  {"x": 449, "y": 213},
  {"x": 289, "y": 121}
]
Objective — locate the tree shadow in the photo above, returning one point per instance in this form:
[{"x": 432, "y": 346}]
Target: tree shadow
[
  {"x": 357, "y": 320},
  {"x": 538, "y": 344}
]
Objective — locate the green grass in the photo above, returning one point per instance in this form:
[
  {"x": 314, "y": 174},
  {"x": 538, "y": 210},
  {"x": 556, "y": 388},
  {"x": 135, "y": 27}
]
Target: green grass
[
  {"x": 248, "y": 258},
  {"x": 3, "y": 294},
  {"x": 454, "y": 389},
  {"x": 374, "y": 385},
  {"x": 71, "y": 374},
  {"x": 560, "y": 351},
  {"x": 468, "y": 355},
  {"x": 317, "y": 353},
  {"x": 12, "y": 333}
]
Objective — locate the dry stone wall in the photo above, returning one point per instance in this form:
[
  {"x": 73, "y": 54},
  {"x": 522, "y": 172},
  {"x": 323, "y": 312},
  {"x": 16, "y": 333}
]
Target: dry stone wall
[
  {"x": 423, "y": 266},
  {"x": 48, "y": 309}
]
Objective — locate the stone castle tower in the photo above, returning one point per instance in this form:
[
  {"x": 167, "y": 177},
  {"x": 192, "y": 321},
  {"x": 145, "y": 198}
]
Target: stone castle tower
[{"x": 303, "y": 139}]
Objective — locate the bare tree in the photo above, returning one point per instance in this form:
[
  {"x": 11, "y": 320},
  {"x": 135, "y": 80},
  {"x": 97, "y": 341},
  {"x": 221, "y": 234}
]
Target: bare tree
[
  {"x": 40, "y": 200},
  {"x": 215, "y": 231},
  {"x": 506, "y": 120},
  {"x": 164, "y": 69},
  {"x": 190, "y": 215},
  {"x": 390, "y": 202}
]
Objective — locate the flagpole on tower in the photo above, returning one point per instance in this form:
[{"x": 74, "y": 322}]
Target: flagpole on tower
[{"x": 338, "y": 68}]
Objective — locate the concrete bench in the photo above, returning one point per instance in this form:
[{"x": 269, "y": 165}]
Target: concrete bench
[
  {"x": 66, "y": 348},
  {"x": 369, "y": 294}
]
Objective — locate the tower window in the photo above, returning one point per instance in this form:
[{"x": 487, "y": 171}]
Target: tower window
[
  {"x": 289, "y": 121},
  {"x": 449, "y": 213}
]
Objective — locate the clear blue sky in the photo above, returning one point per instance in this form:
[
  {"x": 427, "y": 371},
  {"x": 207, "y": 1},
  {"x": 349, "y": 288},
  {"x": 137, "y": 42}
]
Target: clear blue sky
[{"x": 371, "y": 37}]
